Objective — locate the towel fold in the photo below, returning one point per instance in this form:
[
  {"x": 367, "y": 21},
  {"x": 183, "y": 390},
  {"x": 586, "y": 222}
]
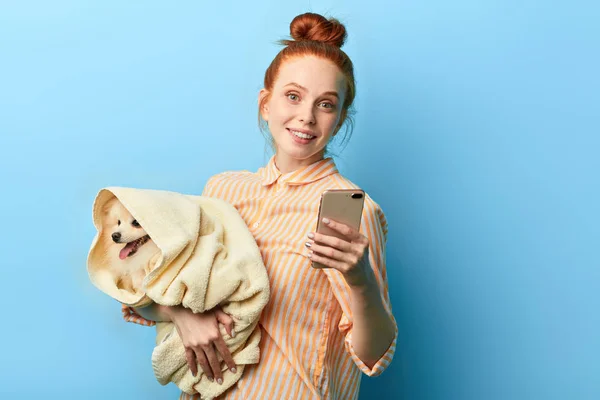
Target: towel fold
[{"x": 207, "y": 258}]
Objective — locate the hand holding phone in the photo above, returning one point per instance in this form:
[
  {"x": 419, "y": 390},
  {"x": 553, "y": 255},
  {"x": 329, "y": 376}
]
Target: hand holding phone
[{"x": 340, "y": 205}]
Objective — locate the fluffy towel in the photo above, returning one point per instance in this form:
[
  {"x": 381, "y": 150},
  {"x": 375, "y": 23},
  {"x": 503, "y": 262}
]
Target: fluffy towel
[{"x": 208, "y": 257}]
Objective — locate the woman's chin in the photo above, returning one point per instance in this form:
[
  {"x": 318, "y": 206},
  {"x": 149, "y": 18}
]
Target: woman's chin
[{"x": 303, "y": 156}]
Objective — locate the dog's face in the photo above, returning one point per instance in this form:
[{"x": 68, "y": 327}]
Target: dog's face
[{"x": 123, "y": 228}]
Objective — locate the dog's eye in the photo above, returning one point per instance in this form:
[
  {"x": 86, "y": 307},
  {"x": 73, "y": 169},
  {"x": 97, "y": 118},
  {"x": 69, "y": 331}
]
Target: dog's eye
[
  {"x": 119, "y": 222},
  {"x": 135, "y": 223}
]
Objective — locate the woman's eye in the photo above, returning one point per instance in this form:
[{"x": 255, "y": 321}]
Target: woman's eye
[
  {"x": 135, "y": 223},
  {"x": 327, "y": 105},
  {"x": 292, "y": 96}
]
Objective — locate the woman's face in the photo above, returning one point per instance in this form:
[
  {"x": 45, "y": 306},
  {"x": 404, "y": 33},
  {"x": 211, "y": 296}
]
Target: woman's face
[{"x": 303, "y": 110}]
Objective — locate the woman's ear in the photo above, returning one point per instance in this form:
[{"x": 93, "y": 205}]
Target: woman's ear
[{"x": 262, "y": 103}]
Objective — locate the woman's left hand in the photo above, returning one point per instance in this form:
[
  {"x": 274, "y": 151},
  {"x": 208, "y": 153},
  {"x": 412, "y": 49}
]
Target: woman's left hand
[{"x": 350, "y": 255}]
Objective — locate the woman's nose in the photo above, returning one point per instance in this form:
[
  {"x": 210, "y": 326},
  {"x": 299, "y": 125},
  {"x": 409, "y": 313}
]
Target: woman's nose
[{"x": 307, "y": 115}]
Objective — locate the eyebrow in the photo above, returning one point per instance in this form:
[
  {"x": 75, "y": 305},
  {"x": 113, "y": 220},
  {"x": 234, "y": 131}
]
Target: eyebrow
[{"x": 333, "y": 93}]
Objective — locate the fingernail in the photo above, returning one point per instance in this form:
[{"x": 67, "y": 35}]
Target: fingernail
[
  {"x": 307, "y": 244},
  {"x": 325, "y": 220},
  {"x": 210, "y": 378},
  {"x": 310, "y": 236},
  {"x": 233, "y": 370},
  {"x": 310, "y": 253},
  {"x": 220, "y": 381},
  {"x": 232, "y": 332}
]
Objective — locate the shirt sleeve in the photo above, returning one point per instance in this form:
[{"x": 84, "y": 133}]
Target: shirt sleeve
[
  {"x": 220, "y": 185},
  {"x": 374, "y": 226},
  {"x": 129, "y": 315}
]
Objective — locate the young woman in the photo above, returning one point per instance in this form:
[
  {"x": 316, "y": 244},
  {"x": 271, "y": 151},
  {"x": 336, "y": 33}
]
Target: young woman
[{"x": 322, "y": 328}]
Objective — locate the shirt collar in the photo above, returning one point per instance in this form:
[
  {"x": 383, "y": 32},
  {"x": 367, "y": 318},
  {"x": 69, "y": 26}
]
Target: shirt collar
[{"x": 269, "y": 174}]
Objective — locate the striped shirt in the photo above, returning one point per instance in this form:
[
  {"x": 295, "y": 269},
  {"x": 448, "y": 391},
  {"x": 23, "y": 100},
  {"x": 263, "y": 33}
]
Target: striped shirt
[{"x": 306, "y": 342}]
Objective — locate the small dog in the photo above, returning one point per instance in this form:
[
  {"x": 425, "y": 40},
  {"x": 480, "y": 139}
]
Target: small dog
[{"x": 131, "y": 252}]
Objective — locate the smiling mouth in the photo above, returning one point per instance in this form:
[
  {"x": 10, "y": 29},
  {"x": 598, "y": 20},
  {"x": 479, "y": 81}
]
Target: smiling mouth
[
  {"x": 132, "y": 247},
  {"x": 300, "y": 135}
]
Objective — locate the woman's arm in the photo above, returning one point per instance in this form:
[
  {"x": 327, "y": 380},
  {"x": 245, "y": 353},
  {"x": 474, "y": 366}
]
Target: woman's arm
[
  {"x": 373, "y": 329},
  {"x": 200, "y": 335},
  {"x": 156, "y": 312}
]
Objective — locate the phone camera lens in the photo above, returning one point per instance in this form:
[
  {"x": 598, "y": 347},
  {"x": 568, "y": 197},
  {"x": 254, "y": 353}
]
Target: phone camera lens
[{"x": 357, "y": 195}]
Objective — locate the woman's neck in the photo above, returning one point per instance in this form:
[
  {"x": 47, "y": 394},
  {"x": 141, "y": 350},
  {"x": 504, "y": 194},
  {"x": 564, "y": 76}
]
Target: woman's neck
[{"x": 286, "y": 164}]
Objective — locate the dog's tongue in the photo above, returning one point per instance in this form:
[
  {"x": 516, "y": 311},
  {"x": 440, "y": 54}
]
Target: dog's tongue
[{"x": 125, "y": 251}]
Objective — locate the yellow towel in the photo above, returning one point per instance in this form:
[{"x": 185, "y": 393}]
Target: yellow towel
[{"x": 208, "y": 257}]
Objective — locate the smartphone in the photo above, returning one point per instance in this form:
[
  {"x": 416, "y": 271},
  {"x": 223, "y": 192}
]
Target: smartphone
[{"x": 341, "y": 205}]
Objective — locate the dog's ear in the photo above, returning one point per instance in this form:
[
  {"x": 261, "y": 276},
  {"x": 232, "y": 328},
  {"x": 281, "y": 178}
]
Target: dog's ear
[{"x": 106, "y": 207}]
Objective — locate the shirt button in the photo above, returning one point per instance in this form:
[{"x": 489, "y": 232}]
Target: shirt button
[{"x": 255, "y": 224}]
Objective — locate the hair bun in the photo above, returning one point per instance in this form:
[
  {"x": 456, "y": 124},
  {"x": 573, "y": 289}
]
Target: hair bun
[{"x": 311, "y": 26}]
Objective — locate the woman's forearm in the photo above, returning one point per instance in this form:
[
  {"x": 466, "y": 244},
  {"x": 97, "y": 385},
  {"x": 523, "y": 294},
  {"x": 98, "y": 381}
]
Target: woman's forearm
[
  {"x": 373, "y": 330},
  {"x": 156, "y": 312}
]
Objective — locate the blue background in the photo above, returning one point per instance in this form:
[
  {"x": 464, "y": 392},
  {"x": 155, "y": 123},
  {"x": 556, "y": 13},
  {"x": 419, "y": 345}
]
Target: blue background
[{"x": 476, "y": 131}]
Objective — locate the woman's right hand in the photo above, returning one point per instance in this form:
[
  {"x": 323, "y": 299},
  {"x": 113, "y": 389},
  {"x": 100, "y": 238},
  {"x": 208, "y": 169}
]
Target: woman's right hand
[{"x": 202, "y": 338}]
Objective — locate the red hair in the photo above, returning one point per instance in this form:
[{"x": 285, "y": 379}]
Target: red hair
[{"x": 314, "y": 35}]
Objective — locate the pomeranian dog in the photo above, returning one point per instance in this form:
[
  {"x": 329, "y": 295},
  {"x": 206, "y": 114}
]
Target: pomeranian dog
[{"x": 130, "y": 250}]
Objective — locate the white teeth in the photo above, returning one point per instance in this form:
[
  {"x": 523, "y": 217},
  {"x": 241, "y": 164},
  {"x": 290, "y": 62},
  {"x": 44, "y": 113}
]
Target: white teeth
[{"x": 301, "y": 135}]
